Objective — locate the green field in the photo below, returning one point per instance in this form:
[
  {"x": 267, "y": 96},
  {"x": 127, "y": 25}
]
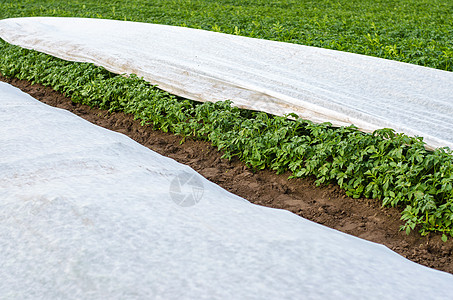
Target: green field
[
  {"x": 396, "y": 169},
  {"x": 414, "y": 31}
]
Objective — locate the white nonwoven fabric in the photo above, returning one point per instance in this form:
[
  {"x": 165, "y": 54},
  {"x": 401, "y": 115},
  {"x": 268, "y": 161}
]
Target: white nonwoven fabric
[
  {"x": 318, "y": 84},
  {"x": 86, "y": 213}
]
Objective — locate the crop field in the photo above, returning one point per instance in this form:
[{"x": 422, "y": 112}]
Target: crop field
[
  {"x": 414, "y": 31},
  {"x": 394, "y": 168}
]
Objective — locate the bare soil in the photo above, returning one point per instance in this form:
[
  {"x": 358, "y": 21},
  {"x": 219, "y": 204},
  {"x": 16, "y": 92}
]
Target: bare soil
[{"x": 327, "y": 205}]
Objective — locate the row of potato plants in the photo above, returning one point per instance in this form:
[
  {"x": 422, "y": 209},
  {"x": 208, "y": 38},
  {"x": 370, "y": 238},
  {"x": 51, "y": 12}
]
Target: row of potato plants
[{"x": 395, "y": 168}]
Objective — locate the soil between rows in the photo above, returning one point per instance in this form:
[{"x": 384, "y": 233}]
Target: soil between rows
[{"x": 327, "y": 205}]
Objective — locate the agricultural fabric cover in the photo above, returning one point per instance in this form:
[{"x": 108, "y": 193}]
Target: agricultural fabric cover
[
  {"x": 86, "y": 213},
  {"x": 318, "y": 84}
]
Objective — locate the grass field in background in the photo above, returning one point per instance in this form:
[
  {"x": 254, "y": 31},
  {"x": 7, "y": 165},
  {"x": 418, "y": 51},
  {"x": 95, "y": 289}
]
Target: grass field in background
[{"x": 413, "y": 31}]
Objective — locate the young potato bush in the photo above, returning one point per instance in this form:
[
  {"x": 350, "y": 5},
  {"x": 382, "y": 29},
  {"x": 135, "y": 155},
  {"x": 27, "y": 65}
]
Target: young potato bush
[{"x": 394, "y": 168}]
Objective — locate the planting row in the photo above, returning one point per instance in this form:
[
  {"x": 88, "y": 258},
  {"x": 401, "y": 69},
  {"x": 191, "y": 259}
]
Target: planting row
[{"x": 394, "y": 168}]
